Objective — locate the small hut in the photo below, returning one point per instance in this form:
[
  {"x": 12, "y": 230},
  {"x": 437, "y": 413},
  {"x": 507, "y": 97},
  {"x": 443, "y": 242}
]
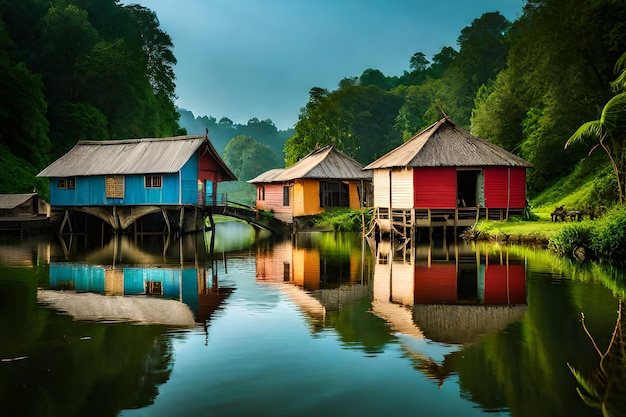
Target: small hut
[
  {"x": 19, "y": 212},
  {"x": 326, "y": 178},
  {"x": 446, "y": 176},
  {"x": 23, "y": 206}
]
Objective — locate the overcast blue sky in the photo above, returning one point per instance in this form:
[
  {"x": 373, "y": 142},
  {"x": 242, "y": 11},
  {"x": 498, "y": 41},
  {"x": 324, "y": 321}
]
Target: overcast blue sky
[{"x": 259, "y": 58}]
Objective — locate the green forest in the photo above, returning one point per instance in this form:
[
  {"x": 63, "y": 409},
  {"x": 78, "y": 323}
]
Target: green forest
[
  {"x": 84, "y": 69},
  {"x": 78, "y": 70}
]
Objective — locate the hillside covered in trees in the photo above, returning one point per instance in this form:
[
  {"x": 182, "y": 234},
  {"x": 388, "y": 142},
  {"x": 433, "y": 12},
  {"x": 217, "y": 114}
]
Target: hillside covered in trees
[{"x": 76, "y": 70}]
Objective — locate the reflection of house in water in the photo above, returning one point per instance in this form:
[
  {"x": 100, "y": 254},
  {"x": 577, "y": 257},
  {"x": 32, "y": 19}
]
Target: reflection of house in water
[
  {"x": 142, "y": 273},
  {"x": 197, "y": 287},
  {"x": 456, "y": 294},
  {"x": 315, "y": 280},
  {"x": 23, "y": 212},
  {"x": 28, "y": 253}
]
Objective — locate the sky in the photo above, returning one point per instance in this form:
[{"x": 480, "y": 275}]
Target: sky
[{"x": 260, "y": 58}]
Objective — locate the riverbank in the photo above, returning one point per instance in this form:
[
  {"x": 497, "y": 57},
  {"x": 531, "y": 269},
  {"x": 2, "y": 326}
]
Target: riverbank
[
  {"x": 536, "y": 233},
  {"x": 602, "y": 239}
]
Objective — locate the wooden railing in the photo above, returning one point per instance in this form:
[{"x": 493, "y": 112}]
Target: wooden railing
[
  {"x": 218, "y": 199},
  {"x": 460, "y": 216}
]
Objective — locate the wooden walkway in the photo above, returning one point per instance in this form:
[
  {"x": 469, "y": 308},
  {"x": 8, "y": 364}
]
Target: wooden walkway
[{"x": 248, "y": 214}]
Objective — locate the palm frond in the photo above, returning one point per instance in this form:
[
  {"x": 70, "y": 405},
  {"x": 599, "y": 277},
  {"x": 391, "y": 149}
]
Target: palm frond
[
  {"x": 591, "y": 388},
  {"x": 614, "y": 112},
  {"x": 620, "y": 67},
  {"x": 594, "y": 129}
]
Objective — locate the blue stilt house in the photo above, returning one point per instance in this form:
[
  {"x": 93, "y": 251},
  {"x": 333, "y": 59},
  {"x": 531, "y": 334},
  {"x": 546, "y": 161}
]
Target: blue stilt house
[{"x": 120, "y": 181}]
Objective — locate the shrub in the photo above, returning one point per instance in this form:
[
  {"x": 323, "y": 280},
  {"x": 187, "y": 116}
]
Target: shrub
[
  {"x": 609, "y": 235},
  {"x": 571, "y": 238},
  {"x": 345, "y": 220}
]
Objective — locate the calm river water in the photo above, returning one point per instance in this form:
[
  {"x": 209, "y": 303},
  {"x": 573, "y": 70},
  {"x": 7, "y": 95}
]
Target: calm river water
[{"x": 321, "y": 324}]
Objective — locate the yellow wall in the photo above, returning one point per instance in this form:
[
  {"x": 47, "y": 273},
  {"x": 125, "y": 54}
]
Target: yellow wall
[
  {"x": 306, "y": 268},
  {"x": 355, "y": 204},
  {"x": 306, "y": 198}
]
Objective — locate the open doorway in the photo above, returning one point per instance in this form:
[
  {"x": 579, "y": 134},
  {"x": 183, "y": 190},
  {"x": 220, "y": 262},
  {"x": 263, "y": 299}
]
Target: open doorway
[{"x": 467, "y": 187}]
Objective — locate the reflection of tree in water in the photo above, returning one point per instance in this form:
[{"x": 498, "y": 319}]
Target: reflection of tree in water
[
  {"x": 156, "y": 369},
  {"x": 432, "y": 369},
  {"x": 605, "y": 388}
]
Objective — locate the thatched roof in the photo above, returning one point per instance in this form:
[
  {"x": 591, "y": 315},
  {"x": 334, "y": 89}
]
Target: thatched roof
[
  {"x": 96, "y": 307},
  {"x": 10, "y": 201},
  {"x": 445, "y": 144},
  {"x": 132, "y": 156},
  {"x": 450, "y": 323},
  {"x": 325, "y": 163}
]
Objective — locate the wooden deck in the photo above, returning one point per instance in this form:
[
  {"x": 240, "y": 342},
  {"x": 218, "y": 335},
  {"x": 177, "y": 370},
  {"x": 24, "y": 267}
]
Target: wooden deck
[{"x": 402, "y": 221}]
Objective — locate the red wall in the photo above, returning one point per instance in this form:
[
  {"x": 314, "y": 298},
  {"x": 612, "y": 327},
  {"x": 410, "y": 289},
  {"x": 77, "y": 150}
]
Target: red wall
[
  {"x": 505, "y": 287},
  {"x": 497, "y": 187},
  {"x": 434, "y": 187},
  {"x": 435, "y": 285}
]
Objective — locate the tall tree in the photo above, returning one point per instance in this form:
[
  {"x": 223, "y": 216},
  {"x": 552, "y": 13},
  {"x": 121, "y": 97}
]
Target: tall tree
[
  {"x": 248, "y": 158},
  {"x": 483, "y": 50},
  {"x": 358, "y": 120},
  {"x": 24, "y": 142},
  {"x": 23, "y": 125}
]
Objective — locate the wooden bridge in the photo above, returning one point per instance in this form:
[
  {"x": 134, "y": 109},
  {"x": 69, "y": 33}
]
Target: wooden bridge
[{"x": 248, "y": 214}]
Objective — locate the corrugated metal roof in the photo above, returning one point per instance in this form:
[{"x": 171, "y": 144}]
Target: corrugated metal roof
[
  {"x": 324, "y": 163},
  {"x": 125, "y": 157},
  {"x": 268, "y": 176},
  {"x": 10, "y": 201},
  {"x": 446, "y": 144}
]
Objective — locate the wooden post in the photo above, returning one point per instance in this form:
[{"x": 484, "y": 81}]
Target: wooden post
[
  {"x": 181, "y": 219},
  {"x": 167, "y": 220}
]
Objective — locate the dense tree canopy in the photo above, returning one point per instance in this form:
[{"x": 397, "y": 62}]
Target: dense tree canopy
[{"x": 80, "y": 69}]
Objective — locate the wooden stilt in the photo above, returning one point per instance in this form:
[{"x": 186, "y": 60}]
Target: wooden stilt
[
  {"x": 167, "y": 221},
  {"x": 181, "y": 219}
]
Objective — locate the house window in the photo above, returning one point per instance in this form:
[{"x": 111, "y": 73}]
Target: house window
[
  {"x": 334, "y": 194},
  {"x": 286, "y": 195},
  {"x": 154, "y": 288},
  {"x": 114, "y": 186},
  {"x": 66, "y": 184},
  {"x": 153, "y": 181},
  {"x": 261, "y": 193}
]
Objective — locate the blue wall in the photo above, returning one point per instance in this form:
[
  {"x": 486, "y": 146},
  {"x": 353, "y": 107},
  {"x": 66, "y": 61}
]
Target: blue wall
[
  {"x": 91, "y": 191},
  {"x": 178, "y": 284}
]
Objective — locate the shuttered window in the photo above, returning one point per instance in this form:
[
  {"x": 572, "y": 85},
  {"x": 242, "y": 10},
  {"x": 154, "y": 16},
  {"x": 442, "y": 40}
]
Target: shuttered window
[
  {"x": 153, "y": 181},
  {"x": 114, "y": 186}
]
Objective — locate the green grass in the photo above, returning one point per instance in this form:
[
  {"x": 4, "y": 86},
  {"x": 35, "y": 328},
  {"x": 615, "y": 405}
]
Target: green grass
[{"x": 542, "y": 229}]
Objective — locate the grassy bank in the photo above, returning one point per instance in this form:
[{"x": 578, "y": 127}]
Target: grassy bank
[
  {"x": 602, "y": 239},
  {"x": 516, "y": 231}
]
